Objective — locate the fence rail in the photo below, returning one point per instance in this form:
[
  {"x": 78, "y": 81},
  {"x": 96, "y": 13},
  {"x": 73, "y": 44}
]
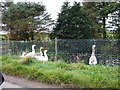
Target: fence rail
[{"x": 107, "y": 51}]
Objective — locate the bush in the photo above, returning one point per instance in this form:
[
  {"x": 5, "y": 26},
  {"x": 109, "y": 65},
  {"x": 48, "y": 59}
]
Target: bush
[{"x": 26, "y": 60}]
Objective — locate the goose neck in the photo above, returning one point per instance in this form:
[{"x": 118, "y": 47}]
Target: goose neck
[
  {"x": 45, "y": 53},
  {"x": 33, "y": 50},
  {"x": 41, "y": 52},
  {"x": 93, "y": 51}
]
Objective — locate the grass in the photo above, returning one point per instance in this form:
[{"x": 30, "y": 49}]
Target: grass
[{"x": 76, "y": 75}]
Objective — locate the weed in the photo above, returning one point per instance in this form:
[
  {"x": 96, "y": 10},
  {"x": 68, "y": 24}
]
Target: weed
[{"x": 26, "y": 60}]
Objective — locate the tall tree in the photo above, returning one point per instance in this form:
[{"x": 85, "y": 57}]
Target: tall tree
[
  {"x": 99, "y": 11},
  {"x": 23, "y": 19},
  {"x": 73, "y": 23},
  {"x": 5, "y": 5},
  {"x": 115, "y": 19}
]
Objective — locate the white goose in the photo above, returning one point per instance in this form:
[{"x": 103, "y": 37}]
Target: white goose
[
  {"x": 40, "y": 54},
  {"x": 93, "y": 59},
  {"x": 31, "y": 53},
  {"x": 42, "y": 58}
]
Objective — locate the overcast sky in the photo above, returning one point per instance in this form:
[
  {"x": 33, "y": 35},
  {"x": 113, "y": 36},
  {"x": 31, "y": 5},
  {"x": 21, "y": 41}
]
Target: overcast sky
[{"x": 52, "y": 6}]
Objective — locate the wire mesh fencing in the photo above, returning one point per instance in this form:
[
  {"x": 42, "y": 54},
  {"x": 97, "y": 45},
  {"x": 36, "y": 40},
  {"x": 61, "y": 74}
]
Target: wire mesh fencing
[{"x": 107, "y": 52}]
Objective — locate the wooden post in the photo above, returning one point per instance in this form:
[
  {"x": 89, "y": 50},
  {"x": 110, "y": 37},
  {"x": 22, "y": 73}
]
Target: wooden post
[{"x": 55, "y": 49}]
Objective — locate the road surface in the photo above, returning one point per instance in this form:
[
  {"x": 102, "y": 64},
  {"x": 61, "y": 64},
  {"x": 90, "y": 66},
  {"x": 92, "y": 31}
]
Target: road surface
[{"x": 17, "y": 82}]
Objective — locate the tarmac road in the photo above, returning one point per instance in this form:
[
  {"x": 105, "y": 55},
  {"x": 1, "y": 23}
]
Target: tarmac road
[
  {"x": 17, "y": 82},
  {"x": 10, "y": 85}
]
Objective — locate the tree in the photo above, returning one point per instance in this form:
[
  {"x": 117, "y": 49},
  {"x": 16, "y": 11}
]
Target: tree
[
  {"x": 5, "y": 5},
  {"x": 72, "y": 23},
  {"x": 98, "y": 12},
  {"x": 115, "y": 22},
  {"x": 24, "y": 19}
]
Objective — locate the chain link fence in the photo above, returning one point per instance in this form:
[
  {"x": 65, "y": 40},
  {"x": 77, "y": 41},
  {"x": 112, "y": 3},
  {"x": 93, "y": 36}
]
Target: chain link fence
[{"x": 107, "y": 51}]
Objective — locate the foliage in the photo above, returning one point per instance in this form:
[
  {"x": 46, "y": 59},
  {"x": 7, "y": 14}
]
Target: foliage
[
  {"x": 26, "y": 60},
  {"x": 23, "y": 19},
  {"x": 42, "y": 37},
  {"x": 115, "y": 23},
  {"x": 3, "y": 37},
  {"x": 73, "y": 23},
  {"x": 76, "y": 75},
  {"x": 99, "y": 13},
  {"x": 5, "y": 5}
]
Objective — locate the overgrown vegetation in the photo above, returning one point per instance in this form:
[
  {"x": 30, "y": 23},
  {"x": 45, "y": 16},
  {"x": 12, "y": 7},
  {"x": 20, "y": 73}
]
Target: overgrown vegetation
[
  {"x": 26, "y": 60},
  {"x": 76, "y": 75}
]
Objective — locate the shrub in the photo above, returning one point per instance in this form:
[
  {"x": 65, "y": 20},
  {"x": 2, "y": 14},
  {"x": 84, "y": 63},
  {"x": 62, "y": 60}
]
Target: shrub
[{"x": 26, "y": 60}]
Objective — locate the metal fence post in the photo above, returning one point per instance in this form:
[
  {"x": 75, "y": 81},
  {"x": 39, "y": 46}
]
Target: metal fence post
[{"x": 55, "y": 49}]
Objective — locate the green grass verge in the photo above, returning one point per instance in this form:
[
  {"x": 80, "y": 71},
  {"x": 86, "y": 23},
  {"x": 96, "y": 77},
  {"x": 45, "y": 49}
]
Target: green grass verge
[{"x": 76, "y": 75}]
